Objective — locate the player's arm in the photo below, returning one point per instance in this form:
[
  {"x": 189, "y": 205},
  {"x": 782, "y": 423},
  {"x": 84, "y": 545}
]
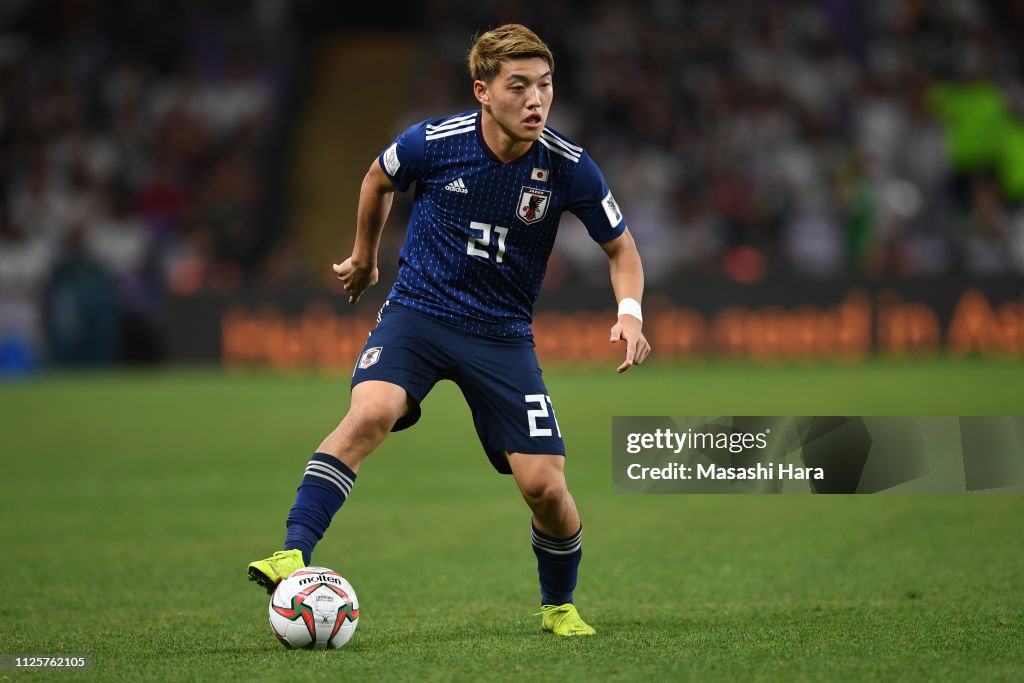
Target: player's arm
[
  {"x": 359, "y": 271},
  {"x": 627, "y": 273}
]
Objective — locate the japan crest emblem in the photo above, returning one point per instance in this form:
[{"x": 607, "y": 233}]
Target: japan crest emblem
[
  {"x": 369, "y": 357},
  {"x": 533, "y": 205}
]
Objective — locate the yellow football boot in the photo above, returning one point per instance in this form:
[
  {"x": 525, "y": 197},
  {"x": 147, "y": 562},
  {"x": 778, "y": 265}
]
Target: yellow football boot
[
  {"x": 273, "y": 570},
  {"x": 564, "y": 620}
]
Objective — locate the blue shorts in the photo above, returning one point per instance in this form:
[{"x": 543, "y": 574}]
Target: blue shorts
[{"x": 500, "y": 379}]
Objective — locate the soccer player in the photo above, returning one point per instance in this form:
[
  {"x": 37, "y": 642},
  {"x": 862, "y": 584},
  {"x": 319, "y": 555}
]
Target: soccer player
[{"x": 491, "y": 185}]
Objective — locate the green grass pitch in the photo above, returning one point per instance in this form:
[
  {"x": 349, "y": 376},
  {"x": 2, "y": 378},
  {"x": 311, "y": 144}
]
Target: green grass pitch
[{"x": 131, "y": 504}]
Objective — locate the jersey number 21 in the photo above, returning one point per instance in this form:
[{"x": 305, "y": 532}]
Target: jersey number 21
[{"x": 473, "y": 246}]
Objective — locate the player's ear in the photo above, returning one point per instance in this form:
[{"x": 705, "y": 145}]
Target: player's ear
[{"x": 481, "y": 92}]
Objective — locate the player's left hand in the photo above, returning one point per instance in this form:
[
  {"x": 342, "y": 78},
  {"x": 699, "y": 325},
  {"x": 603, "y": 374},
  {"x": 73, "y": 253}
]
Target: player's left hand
[{"x": 627, "y": 329}]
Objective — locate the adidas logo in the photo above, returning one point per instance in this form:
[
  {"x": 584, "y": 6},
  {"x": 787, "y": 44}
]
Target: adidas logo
[{"x": 457, "y": 186}]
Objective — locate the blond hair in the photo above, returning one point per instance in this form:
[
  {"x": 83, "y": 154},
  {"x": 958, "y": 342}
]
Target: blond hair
[{"x": 511, "y": 41}]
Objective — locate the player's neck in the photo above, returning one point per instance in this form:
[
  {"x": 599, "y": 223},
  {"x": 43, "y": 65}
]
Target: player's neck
[{"x": 501, "y": 144}]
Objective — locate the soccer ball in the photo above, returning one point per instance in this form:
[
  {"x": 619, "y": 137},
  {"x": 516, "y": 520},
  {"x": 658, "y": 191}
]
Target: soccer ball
[{"x": 314, "y": 608}]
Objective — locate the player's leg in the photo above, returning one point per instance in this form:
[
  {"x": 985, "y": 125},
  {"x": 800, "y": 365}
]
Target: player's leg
[
  {"x": 394, "y": 373},
  {"x": 541, "y": 480},
  {"x": 557, "y": 538},
  {"x": 375, "y": 408},
  {"x": 515, "y": 421},
  {"x": 330, "y": 475}
]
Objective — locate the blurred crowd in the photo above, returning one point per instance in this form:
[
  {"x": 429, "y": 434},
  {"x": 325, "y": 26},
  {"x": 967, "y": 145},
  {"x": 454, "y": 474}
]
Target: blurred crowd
[
  {"x": 143, "y": 145},
  {"x": 140, "y": 152},
  {"x": 744, "y": 137}
]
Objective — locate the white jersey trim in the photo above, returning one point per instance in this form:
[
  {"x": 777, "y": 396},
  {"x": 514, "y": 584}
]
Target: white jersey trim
[
  {"x": 568, "y": 155},
  {"x": 562, "y": 142},
  {"x": 456, "y": 122},
  {"x": 448, "y": 133}
]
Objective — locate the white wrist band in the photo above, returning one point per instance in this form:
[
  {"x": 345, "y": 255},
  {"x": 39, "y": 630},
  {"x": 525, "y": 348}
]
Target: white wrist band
[{"x": 630, "y": 307}]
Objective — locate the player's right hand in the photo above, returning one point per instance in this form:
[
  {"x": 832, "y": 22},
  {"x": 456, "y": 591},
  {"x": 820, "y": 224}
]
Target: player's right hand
[{"x": 355, "y": 279}]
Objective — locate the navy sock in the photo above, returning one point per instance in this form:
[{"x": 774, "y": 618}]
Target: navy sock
[
  {"x": 325, "y": 486},
  {"x": 558, "y": 562}
]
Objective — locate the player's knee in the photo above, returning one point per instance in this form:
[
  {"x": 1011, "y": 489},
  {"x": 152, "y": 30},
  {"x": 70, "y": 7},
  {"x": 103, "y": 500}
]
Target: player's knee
[
  {"x": 372, "y": 418},
  {"x": 543, "y": 492}
]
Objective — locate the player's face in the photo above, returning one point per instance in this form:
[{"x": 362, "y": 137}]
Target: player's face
[{"x": 519, "y": 97}]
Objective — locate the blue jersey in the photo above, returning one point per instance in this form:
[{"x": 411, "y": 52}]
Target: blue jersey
[{"x": 482, "y": 230}]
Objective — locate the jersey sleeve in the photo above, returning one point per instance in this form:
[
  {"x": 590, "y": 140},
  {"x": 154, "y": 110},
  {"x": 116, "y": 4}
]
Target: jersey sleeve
[
  {"x": 592, "y": 202},
  {"x": 402, "y": 162}
]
